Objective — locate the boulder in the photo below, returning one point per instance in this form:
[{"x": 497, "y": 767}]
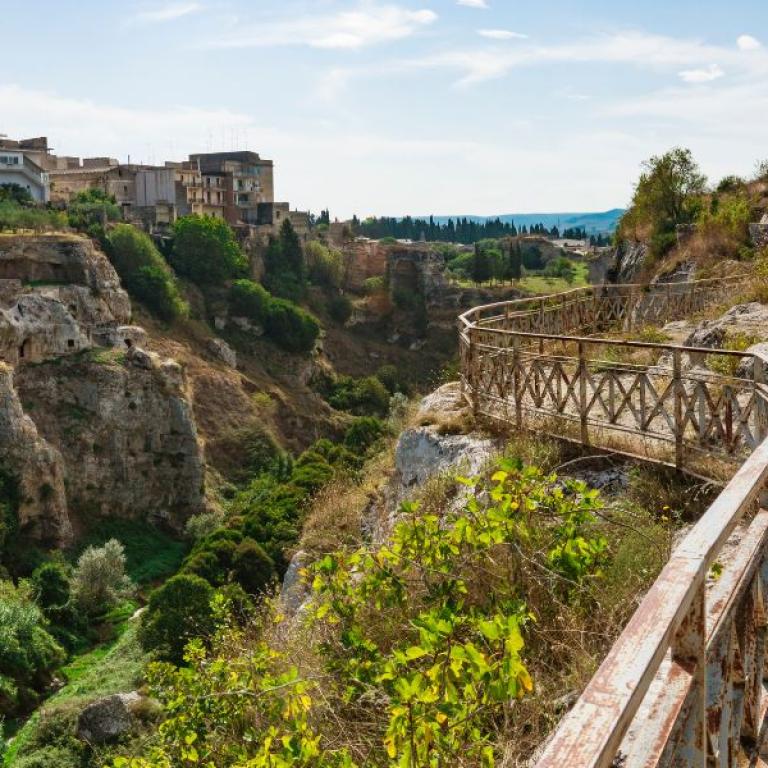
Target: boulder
[
  {"x": 422, "y": 453},
  {"x": 295, "y": 591},
  {"x": 746, "y": 369},
  {"x": 446, "y": 399},
  {"x": 222, "y": 351},
  {"x": 105, "y": 720}
]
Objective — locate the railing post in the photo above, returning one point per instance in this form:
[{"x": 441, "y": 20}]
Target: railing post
[
  {"x": 677, "y": 385},
  {"x": 472, "y": 371},
  {"x": 516, "y": 362},
  {"x": 689, "y": 649},
  {"x": 583, "y": 394},
  {"x": 761, "y": 426}
]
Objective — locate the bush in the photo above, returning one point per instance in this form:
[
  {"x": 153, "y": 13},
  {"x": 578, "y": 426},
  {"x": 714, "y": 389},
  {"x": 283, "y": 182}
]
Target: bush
[
  {"x": 291, "y": 327},
  {"x": 363, "y": 433},
  {"x": 14, "y": 217},
  {"x": 374, "y": 285},
  {"x": 339, "y": 308},
  {"x": 144, "y": 272},
  {"x": 253, "y": 567},
  {"x": 285, "y": 265},
  {"x": 205, "y": 251},
  {"x": 249, "y": 299},
  {"x": 28, "y": 653},
  {"x": 363, "y": 397},
  {"x": 178, "y": 611},
  {"x": 99, "y": 581},
  {"x": 325, "y": 266},
  {"x": 52, "y": 584},
  {"x": 90, "y": 210}
]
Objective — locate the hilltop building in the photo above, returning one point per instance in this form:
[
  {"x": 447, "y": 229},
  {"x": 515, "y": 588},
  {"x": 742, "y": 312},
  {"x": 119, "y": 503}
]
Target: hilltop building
[
  {"x": 23, "y": 163},
  {"x": 235, "y": 186}
]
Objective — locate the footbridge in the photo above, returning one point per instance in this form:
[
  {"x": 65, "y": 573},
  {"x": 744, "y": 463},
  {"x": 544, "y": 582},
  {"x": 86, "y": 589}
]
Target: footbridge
[{"x": 684, "y": 683}]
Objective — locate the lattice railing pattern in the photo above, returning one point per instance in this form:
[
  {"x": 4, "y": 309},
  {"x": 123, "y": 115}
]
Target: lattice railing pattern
[{"x": 685, "y": 684}]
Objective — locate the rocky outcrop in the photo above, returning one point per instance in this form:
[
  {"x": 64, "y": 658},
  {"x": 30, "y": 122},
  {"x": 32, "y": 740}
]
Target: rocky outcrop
[
  {"x": 37, "y": 466},
  {"x": 56, "y": 292},
  {"x": 125, "y": 429},
  {"x": 105, "y": 720},
  {"x": 629, "y": 260}
]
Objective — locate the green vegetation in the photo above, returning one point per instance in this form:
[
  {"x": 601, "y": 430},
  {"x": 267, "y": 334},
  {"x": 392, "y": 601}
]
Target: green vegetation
[
  {"x": 325, "y": 265},
  {"x": 150, "y": 554},
  {"x": 205, "y": 251},
  {"x": 366, "y": 396},
  {"x": 178, "y": 611},
  {"x": 90, "y": 212},
  {"x": 28, "y": 652},
  {"x": 99, "y": 581},
  {"x": 144, "y": 272},
  {"x": 422, "y": 651},
  {"x": 288, "y": 325},
  {"x": 286, "y": 269},
  {"x": 665, "y": 197},
  {"x": 16, "y": 217}
]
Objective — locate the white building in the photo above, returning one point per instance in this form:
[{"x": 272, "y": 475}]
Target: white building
[{"x": 17, "y": 168}]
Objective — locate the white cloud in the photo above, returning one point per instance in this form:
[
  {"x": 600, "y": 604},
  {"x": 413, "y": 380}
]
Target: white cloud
[
  {"x": 369, "y": 24},
  {"x": 473, "y": 3},
  {"x": 703, "y": 75},
  {"x": 647, "y": 51},
  {"x": 501, "y": 34},
  {"x": 168, "y": 12},
  {"x": 748, "y": 43}
]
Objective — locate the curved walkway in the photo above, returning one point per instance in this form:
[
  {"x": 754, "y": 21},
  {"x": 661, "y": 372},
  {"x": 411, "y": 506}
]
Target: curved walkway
[{"x": 683, "y": 684}]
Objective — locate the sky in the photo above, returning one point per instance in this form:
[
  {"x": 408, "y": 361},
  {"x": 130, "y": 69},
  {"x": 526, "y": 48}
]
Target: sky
[{"x": 451, "y": 107}]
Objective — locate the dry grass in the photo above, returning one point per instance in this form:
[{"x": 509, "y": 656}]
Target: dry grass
[{"x": 448, "y": 423}]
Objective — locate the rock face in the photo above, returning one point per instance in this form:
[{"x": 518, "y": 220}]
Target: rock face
[
  {"x": 630, "y": 256},
  {"x": 90, "y": 424},
  {"x": 125, "y": 429},
  {"x": 55, "y": 293},
  {"x": 105, "y": 720},
  {"x": 38, "y": 467}
]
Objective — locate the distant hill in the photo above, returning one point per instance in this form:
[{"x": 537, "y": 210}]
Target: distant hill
[{"x": 593, "y": 223}]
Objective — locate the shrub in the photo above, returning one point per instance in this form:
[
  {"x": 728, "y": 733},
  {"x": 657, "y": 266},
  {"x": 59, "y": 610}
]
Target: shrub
[
  {"x": 144, "y": 272},
  {"x": 178, "y": 611},
  {"x": 363, "y": 397},
  {"x": 28, "y": 653},
  {"x": 374, "y": 285},
  {"x": 339, "y": 308},
  {"x": 249, "y": 299},
  {"x": 253, "y": 567},
  {"x": 99, "y": 581},
  {"x": 205, "y": 251},
  {"x": 285, "y": 266},
  {"x": 363, "y": 433},
  {"x": 90, "y": 210},
  {"x": 291, "y": 327},
  {"x": 325, "y": 265},
  {"x": 52, "y": 584}
]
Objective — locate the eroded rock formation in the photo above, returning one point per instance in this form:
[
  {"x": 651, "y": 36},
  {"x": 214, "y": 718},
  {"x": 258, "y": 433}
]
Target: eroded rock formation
[{"x": 91, "y": 425}]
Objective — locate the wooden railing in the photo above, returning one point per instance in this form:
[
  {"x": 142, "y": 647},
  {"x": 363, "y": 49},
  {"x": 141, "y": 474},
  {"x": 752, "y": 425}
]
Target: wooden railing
[{"x": 684, "y": 683}]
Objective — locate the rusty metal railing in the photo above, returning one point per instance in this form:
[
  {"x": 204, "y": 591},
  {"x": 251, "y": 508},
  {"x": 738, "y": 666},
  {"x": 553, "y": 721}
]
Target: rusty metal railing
[{"x": 684, "y": 683}]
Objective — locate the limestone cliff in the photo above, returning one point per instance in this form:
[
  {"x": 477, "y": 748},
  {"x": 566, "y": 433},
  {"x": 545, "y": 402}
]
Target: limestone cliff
[
  {"x": 124, "y": 426},
  {"x": 91, "y": 425}
]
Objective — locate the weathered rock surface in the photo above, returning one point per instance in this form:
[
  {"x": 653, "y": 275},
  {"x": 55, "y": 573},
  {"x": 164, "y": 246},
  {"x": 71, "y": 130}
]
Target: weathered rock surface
[
  {"x": 38, "y": 467},
  {"x": 106, "y": 720},
  {"x": 222, "y": 351},
  {"x": 124, "y": 426}
]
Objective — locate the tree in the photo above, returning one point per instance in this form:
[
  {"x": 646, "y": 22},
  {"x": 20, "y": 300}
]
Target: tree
[
  {"x": 515, "y": 261},
  {"x": 90, "y": 210},
  {"x": 99, "y": 580},
  {"x": 286, "y": 271},
  {"x": 205, "y": 250},
  {"x": 178, "y": 612},
  {"x": 15, "y": 193},
  {"x": 291, "y": 327},
  {"x": 481, "y": 266},
  {"x": 666, "y": 196},
  {"x": 253, "y": 567},
  {"x": 144, "y": 272}
]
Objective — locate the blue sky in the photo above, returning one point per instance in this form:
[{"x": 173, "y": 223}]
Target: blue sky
[{"x": 419, "y": 106}]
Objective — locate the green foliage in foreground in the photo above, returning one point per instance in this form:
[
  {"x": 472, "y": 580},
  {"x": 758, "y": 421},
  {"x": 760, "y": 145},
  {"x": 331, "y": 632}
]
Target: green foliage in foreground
[
  {"x": 144, "y": 272},
  {"x": 417, "y": 654}
]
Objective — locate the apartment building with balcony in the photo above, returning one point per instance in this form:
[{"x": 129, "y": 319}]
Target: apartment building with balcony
[
  {"x": 22, "y": 162},
  {"x": 242, "y": 181}
]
